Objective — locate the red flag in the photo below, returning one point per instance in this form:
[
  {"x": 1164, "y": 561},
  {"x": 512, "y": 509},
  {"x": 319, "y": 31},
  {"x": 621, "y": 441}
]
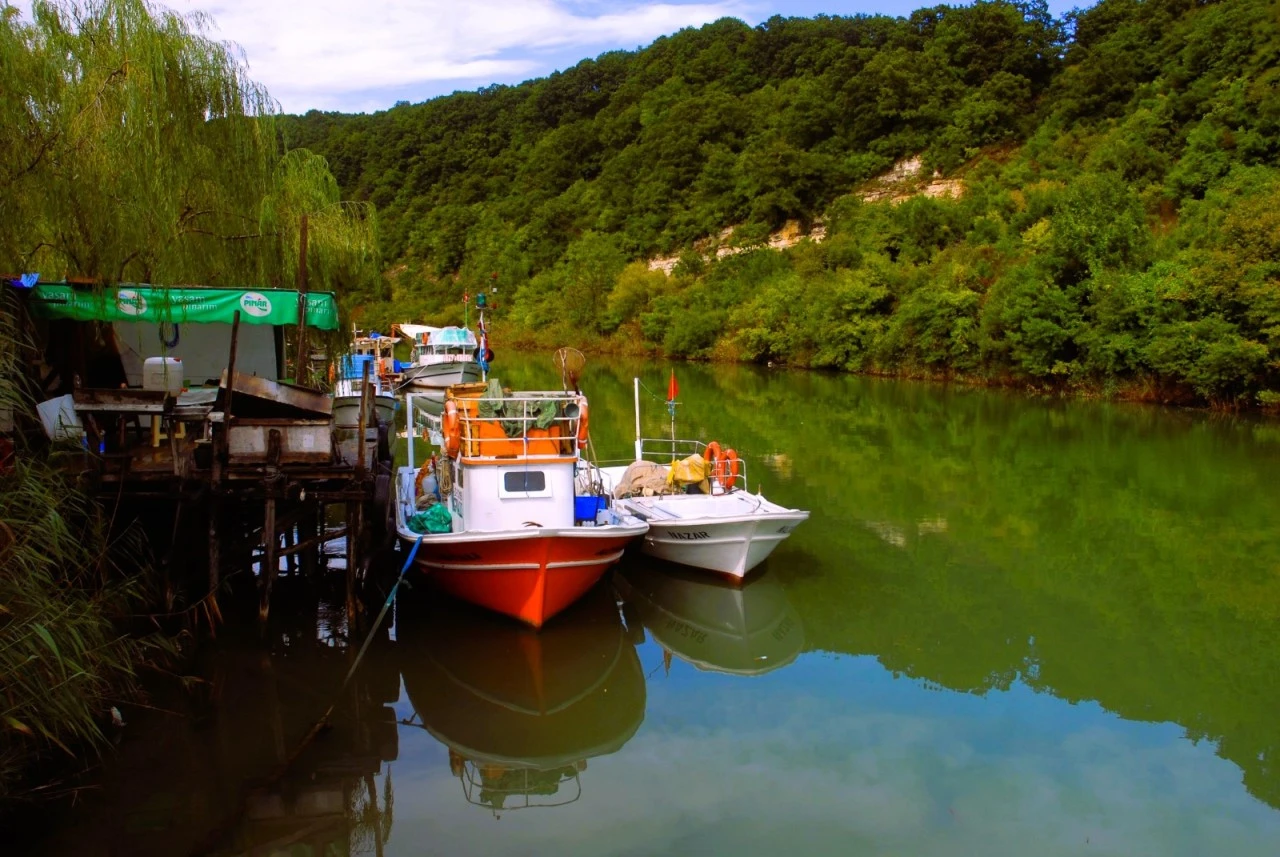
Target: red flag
[{"x": 673, "y": 389}]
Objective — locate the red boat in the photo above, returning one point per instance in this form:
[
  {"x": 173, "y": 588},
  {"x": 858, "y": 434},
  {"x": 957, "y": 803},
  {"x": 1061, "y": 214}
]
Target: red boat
[{"x": 507, "y": 512}]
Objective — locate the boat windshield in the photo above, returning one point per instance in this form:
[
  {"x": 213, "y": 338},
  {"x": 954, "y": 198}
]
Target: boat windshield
[{"x": 453, "y": 340}]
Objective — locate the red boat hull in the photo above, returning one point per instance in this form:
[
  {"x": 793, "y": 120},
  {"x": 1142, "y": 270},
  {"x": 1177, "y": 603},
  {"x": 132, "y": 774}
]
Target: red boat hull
[{"x": 530, "y": 578}]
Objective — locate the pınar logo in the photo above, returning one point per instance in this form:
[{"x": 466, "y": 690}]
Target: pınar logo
[
  {"x": 130, "y": 302},
  {"x": 255, "y": 304}
]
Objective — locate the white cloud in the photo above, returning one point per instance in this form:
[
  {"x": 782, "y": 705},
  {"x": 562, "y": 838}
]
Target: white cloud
[
  {"x": 760, "y": 767},
  {"x": 340, "y": 55}
]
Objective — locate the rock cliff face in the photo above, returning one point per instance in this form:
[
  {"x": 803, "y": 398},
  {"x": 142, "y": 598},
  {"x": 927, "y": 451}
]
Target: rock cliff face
[
  {"x": 722, "y": 245},
  {"x": 897, "y": 185},
  {"x": 905, "y": 181}
]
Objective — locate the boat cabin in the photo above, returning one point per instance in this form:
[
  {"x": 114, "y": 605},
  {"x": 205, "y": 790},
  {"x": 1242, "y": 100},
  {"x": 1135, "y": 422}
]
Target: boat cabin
[
  {"x": 511, "y": 459},
  {"x": 442, "y": 344}
]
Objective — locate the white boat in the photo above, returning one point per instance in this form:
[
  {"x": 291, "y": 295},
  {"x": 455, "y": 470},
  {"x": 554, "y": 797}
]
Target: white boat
[
  {"x": 513, "y": 528},
  {"x": 727, "y": 529},
  {"x": 348, "y": 381},
  {"x": 442, "y": 358},
  {"x": 346, "y": 403}
]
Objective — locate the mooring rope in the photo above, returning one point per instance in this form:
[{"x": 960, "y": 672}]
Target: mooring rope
[{"x": 386, "y": 605}]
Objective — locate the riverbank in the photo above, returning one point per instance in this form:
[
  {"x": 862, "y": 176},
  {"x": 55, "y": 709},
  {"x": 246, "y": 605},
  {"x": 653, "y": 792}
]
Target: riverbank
[{"x": 1149, "y": 390}]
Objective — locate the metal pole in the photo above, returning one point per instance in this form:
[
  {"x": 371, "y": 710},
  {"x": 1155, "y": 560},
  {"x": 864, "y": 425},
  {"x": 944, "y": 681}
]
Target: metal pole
[
  {"x": 639, "y": 443},
  {"x": 408, "y": 402}
]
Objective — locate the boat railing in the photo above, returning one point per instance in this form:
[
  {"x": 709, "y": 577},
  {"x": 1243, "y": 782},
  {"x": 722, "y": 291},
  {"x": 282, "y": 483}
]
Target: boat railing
[
  {"x": 508, "y": 427},
  {"x": 658, "y": 448},
  {"x": 504, "y": 787}
]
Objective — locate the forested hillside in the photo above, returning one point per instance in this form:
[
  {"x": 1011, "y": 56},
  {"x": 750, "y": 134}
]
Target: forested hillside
[{"x": 1118, "y": 230}]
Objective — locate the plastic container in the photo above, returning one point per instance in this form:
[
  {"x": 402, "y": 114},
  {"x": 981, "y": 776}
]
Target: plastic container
[
  {"x": 586, "y": 508},
  {"x": 162, "y": 373}
]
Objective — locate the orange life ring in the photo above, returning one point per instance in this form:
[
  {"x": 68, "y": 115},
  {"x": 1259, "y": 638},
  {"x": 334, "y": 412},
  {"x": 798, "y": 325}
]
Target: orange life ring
[
  {"x": 333, "y": 373},
  {"x": 583, "y": 433},
  {"x": 452, "y": 427},
  {"x": 715, "y": 460},
  {"x": 427, "y": 467},
  {"x": 730, "y": 475}
]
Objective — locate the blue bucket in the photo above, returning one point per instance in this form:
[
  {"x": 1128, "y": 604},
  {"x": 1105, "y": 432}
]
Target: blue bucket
[{"x": 585, "y": 508}]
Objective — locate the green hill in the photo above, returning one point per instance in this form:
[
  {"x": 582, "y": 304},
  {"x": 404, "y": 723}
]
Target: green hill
[{"x": 1117, "y": 228}]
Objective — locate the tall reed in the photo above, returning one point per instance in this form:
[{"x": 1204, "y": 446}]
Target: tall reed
[{"x": 67, "y": 590}]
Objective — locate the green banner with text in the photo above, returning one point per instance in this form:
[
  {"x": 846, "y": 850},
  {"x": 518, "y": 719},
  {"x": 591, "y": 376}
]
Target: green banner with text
[{"x": 182, "y": 305}]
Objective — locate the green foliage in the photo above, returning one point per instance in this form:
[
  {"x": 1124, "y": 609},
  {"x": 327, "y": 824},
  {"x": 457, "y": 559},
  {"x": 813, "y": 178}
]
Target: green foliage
[
  {"x": 1116, "y": 226},
  {"x": 65, "y": 654},
  {"x": 135, "y": 148}
]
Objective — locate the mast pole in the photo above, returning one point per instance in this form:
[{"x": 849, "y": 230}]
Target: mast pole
[
  {"x": 408, "y": 401},
  {"x": 639, "y": 443}
]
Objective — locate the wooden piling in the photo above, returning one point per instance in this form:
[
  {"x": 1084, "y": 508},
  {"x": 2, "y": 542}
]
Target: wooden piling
[
  {"x": 270, "y": 560},
  {"x": 309, "y": 537},
  {"x": 355, "y": 529},
  {"x": 304, "y": 353}
]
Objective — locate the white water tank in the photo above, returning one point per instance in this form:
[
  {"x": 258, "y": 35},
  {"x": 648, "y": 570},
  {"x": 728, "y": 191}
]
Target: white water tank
[{"x": 162, "y": 373}]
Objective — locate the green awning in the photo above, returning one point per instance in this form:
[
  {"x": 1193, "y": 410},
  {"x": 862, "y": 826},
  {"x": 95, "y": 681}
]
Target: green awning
[{"x": 182, "y": 305}]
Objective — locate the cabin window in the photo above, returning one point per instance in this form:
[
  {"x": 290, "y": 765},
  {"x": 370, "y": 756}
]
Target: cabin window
[{"x": 524, "y": 481}]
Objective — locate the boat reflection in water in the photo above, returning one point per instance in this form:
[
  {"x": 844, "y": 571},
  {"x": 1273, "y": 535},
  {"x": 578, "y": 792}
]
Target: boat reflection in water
[
  {"x": 740, "y": 628},
  {"x": 520, "y": 710}
]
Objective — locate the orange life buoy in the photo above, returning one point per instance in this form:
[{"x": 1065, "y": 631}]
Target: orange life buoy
[
  {"x": 427, "y": 467},
  {"x": 715, "y": 460},
  {"x": 730, "y": 476},
  {"x": 452, "y": 427},
  {"x": 583, "y": 433},
  {"x": 333, "y": 373}
]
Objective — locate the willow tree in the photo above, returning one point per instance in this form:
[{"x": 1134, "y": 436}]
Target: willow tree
[{"x": 133, "y": 147}]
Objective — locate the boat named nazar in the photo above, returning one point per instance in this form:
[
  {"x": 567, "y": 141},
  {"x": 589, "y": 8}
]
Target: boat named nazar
[{"x": 698, "y": 507}]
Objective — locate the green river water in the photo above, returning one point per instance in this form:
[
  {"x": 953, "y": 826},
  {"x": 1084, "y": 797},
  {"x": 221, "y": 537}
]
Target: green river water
[{"x": 1010, "y": 627}]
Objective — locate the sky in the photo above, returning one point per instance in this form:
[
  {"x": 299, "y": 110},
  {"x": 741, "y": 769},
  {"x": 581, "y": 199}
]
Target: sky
[
  {"x": 366, "y": 56},
  {"x": 837, "y": 756}
]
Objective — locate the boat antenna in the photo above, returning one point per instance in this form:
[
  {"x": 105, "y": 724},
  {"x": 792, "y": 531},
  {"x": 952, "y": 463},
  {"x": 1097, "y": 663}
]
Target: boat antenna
[
  {"x": 570, "y": 362},
  {"x": 673, "y": 390}
]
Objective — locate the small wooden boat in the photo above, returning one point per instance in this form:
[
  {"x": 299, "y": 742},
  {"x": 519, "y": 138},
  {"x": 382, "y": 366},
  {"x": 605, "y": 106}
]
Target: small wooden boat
[
  {"x": 707, "y": 520},
  {"x": 506, "y": 514}
]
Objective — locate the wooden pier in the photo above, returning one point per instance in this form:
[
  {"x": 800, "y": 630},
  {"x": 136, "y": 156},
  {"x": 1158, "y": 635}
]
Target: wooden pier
[{"x": 261, "y": 463}]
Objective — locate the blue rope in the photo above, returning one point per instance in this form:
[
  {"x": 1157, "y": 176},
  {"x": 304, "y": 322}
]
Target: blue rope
[{"x": 386, "y": 605}]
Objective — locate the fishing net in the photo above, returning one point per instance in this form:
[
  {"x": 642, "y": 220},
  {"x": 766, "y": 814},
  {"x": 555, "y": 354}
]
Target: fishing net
[{"x": 569, "y": 362}]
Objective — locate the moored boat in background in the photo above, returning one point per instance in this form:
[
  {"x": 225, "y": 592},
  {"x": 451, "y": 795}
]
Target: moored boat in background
[
  {"x": 348, "y": 376},
  {"x": 442, "y": 358}
]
